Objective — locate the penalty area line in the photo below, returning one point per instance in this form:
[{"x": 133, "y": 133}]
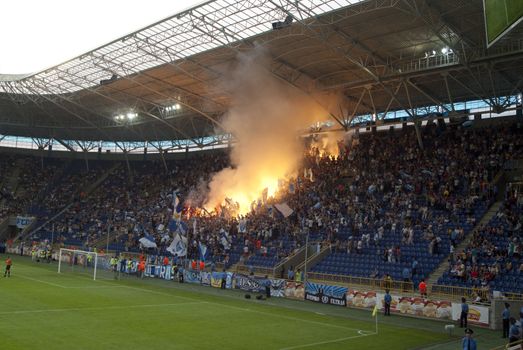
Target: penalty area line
[
  {"x": 325, "y": 342},
  {"x": 45, "y": 282}
]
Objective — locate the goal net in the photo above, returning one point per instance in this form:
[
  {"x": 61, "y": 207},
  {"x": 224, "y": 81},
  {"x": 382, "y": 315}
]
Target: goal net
[{"x": 80, "y": 262}]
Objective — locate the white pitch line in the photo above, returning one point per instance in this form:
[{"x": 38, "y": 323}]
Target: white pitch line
[
  {"x": 67, "y": 287},
  {"x": 46, "y": 282},
  {"x": 100, "y": 308},
  {"x": 324, "y": 342},
  {"x": 288, "y": 317},
  {"x": 95, "y": 287}
]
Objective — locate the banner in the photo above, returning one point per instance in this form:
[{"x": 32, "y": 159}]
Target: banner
[
  {"x": 229, "y": 280},
  {"x": 249, "y": 283},
  {"x": 321, "y": 293},
  {"x": 158, "y": 271},
  {"x": 190, "y": 276},
  {"x": 23, "y": 221},
  {"x": 294, "y": 290},
  {"x": 357, "y": 298},
  {"x": 415, "y": 306},
  {"x": 277, "y": 288},
  {"x": 477, "y": 314},
  {"x": 216, "y": 279},
  {"x": 205, "y": 278},
  {"x": 418, "y": 306}
]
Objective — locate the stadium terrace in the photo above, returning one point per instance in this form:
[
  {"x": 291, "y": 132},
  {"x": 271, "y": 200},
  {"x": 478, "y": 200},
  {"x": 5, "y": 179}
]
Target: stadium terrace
[{"x": 271, "y": 174}]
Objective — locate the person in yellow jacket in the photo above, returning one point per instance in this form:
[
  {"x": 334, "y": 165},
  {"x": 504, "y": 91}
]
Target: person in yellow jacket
[{"x": 298, "y": 277}]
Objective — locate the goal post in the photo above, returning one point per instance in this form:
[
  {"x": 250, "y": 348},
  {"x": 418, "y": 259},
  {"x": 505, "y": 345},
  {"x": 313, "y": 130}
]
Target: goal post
[{"x": 79, "y": 259}]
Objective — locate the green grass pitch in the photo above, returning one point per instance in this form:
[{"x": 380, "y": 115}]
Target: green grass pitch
[
  {"x": 41, "y": 309},
  {"x": 501, "y": 14}
]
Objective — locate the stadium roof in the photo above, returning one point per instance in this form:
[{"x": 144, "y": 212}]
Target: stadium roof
[{"x": 163, "y": 81}]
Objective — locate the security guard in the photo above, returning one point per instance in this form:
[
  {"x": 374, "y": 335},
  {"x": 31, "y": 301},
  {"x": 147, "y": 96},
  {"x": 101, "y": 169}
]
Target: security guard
[
  {"x": 467, "y": 343},
  {"x": 506, "y": 319}
]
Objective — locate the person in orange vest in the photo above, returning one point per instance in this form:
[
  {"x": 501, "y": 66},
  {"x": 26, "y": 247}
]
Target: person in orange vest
[
  {"x": 423, "y": 288},
  {"x": 141, "y": 268},
  {"x": 193, "y": 265},
  {"x": 202, "y": 265},
  {"x": 8, "y": 264},
  {"x": 166, "y": 261}
]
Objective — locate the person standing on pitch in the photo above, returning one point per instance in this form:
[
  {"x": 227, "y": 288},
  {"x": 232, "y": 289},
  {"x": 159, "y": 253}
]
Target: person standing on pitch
[
  {"x": 464, "y": 313},
  {"x": 8, "y": 263},
  {"x": 506, "y": 319},
  {"x": 468, "y": 343},
  {"x": 387, "y": 301}
]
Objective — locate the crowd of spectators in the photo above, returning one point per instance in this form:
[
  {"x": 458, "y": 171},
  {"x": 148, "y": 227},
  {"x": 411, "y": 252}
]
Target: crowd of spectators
[
  {"x": 494, "y": 253},
  {"x": 381, "y": 185},
  {"x": 22, "y": 180}
]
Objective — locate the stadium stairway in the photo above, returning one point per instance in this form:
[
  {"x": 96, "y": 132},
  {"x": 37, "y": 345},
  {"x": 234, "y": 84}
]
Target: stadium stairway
[
  {"x": 293, "y": 260},
  {"x": 500, "y": 181},
  {"x": 438, "y": 272},
  {"x": 314, "y": 258}
]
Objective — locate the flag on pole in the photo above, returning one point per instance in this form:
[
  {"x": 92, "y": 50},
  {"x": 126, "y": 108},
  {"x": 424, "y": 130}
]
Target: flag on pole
[
  {"x": 178, "y": 246},
  {"x": 177, "y": 208},
  {"x": 178, "y": 226},
  {"x": 203, "y": 251},
  {"x": 147, "y": 240},
  {"x": 284, "y": 209},
  {"x": 224, "y": 240},
  {"x": 375, "y": 310}
]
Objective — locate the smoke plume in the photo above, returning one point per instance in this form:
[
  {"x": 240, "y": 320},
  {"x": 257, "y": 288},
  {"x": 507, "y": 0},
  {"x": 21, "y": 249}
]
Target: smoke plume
[{"x": 265, "y": 116}]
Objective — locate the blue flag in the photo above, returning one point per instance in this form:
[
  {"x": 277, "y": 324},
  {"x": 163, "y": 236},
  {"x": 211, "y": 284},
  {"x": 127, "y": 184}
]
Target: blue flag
[
  {"x": 203, "y": 251},
  {"x": 178, "y": 226}
]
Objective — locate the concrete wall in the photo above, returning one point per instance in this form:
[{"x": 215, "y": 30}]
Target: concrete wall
[{"x": 498, "y": 305}]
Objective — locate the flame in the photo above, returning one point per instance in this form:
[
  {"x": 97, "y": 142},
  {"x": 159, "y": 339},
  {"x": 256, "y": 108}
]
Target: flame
[
  {"x": 245, "y": 193},
  {"x": 327, "y": 145}
]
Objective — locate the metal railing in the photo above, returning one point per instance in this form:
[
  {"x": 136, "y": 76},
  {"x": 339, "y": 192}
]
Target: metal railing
[
  {"x": 255, "y": 269},
  {"x": 441, "y": 291},
  {"x": 367, "y": 282},
  {"x": 513, "y": 296},
  {"x": 510, "y": 346}
]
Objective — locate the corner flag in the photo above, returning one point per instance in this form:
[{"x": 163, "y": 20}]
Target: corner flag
[{"x": 375, "y": 311}]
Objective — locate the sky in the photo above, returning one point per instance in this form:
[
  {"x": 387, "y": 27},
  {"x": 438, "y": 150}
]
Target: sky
[{"x": 36, "y": 34}]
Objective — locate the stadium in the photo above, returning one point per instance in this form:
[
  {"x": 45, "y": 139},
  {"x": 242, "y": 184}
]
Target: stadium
[{"x": 271, "y": 174}]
